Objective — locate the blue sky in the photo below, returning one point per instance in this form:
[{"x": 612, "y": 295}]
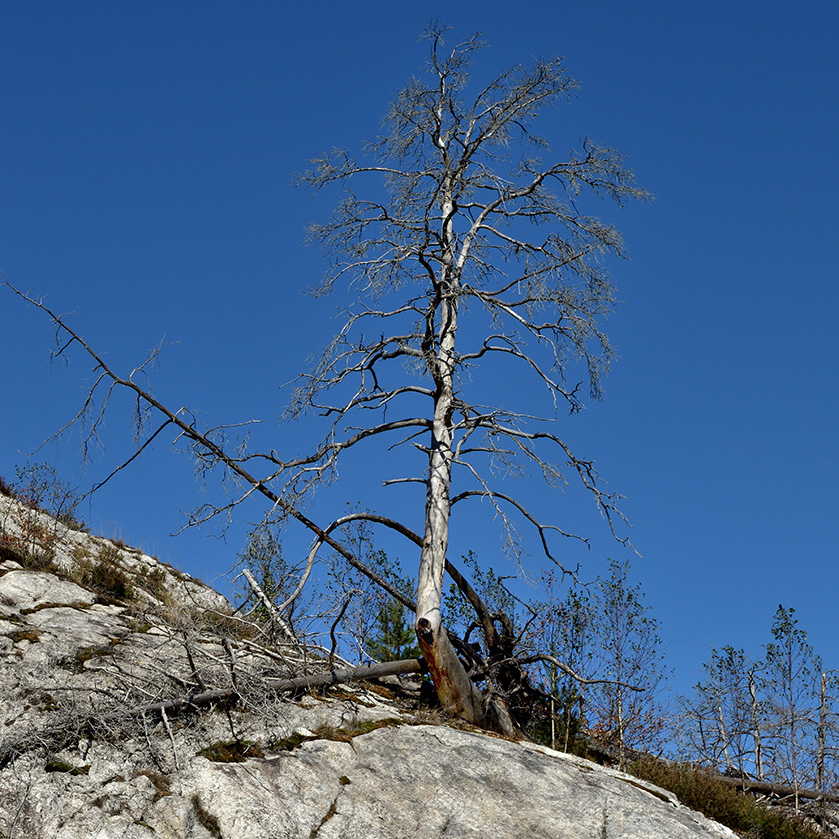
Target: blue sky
[{"x": 146, "y": 159}]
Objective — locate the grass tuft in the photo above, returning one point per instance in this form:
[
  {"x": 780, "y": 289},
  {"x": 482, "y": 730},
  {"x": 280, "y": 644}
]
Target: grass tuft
[{"x": 208, "y": 821}]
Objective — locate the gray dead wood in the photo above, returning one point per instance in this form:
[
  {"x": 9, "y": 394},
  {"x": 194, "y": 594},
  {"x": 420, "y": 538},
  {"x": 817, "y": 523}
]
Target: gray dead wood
[{"x": 333, "y": 677}]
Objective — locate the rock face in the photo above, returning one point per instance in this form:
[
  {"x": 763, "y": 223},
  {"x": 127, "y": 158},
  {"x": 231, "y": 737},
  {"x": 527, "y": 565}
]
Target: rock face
[{"x": 83, "y": 757}]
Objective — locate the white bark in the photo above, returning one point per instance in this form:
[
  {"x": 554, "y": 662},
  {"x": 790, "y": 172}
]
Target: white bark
[{"x": 457, "y": 694}]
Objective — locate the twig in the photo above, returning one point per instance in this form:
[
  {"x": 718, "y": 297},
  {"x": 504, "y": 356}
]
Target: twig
[
  {"x": 171, "y": 737},
  {"x": 231, "y": 653}
]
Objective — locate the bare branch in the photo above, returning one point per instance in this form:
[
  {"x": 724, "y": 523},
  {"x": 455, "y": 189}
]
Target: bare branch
[{"x": 532, "y": 659}]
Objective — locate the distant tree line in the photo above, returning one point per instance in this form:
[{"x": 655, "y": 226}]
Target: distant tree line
[{"x": 773, "y": 718}]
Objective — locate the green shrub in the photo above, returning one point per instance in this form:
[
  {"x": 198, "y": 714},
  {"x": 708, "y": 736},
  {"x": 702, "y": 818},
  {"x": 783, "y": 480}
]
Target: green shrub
[{"x": 712, "y": 797}]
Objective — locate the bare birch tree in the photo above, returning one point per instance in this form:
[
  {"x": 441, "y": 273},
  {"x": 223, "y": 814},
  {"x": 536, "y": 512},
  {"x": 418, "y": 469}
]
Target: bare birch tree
[
  {"x": 791, "y": 674},
  {"x": 467, "y": 250},
  {"x": 722, "y": 722}
]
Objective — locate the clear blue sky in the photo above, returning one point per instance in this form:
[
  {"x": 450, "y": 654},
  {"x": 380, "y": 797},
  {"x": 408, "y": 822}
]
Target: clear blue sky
[{"x": 146, "y": 155}]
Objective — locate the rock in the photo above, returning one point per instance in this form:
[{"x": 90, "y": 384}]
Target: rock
[
  {"x": 407, "y": 781},
  {"x": 79, "y": 758},
  {"x": 396, "y": 781},
  {"x": 23, "y": 591}
]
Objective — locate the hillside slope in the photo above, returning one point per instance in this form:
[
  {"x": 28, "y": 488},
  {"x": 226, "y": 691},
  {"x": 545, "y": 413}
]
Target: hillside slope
[{"x": 94, "y": 636}]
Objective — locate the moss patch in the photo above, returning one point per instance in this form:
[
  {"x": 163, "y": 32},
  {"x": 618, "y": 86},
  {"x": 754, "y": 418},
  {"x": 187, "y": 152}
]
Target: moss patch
[
  {"x": 31, "y": 635},
  {"x": 76, "y": 604},
  {"x": 61, "y": 766},
  {"x": 331, "y": 732},
  {"x": 290, "y": 743},
  {"x": 346, "y": 735},
  {"x": 86, "y": 654}
]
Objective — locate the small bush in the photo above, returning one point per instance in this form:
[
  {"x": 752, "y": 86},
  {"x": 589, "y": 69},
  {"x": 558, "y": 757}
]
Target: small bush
[
  {"x": 568, "y": 733},
  {"x": 8, "y": 552},
  {"x": 710, "y": 796},
  {"x": 34, "y": 545},
  {"x": 69, "y": 520},
  {"x": 104, "y": 576},
  {"x": 153, "y": 581},
  {"x": 39, "y": 487}
]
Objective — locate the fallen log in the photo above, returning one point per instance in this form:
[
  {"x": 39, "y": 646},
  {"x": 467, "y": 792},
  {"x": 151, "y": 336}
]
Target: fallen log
[
  {"x": 750, "y": 785},
  {"x": 313, "y": 680}
]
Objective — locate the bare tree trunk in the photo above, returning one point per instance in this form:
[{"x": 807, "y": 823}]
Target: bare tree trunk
[
  {"x": 820, "y": 753},
  {"x": 621, "y": 743},
  {"x": 723, "y": 736},
  {"x": 457, "y": 694},
  {"x": 269, "y": 606},
  {"x": 756, "y": 726},
  {"x": 793, "y": 749},
  {"x": 455, "y": 690}
]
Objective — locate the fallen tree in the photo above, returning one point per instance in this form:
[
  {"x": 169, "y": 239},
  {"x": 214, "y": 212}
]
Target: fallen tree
[{"x": 314, "y": 680}]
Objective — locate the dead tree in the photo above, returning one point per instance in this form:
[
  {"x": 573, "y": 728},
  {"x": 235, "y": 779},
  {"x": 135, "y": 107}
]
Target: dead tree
[
  {"x": 484, "y": 255},
  {"x": 470, "y": 250}
]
